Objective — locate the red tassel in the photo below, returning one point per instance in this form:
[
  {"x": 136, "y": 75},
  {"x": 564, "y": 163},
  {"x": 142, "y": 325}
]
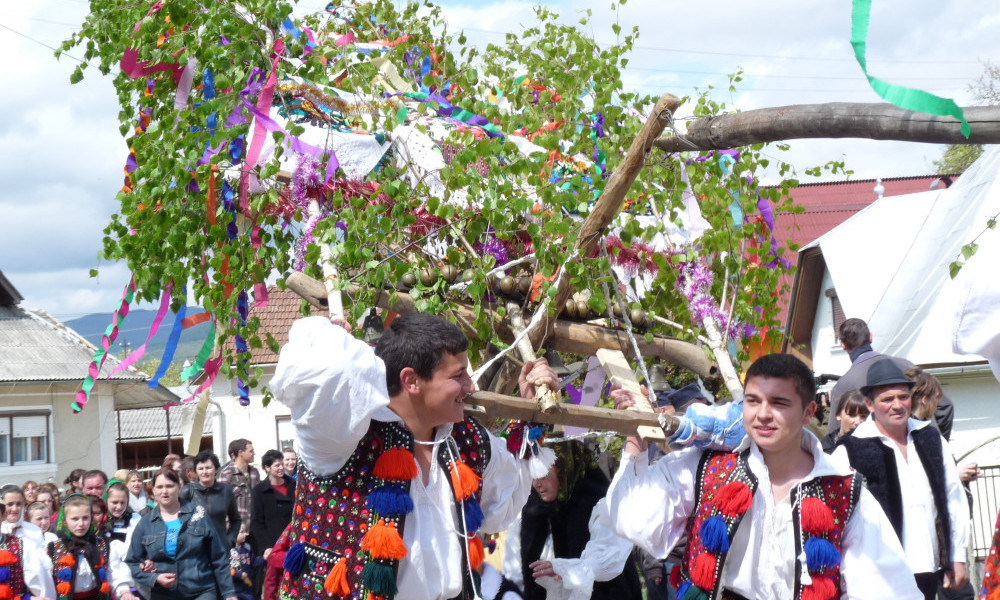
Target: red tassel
[
  {"x": 675, "y": 576},
  {"x": 464, "y": 480},
  {"x": 336, "y": 582},
  {"x": 817, "y": 518},
  {"x": 703, "y": 570},
  {"x": 383, "y": 541},
  {"x": 477, "y": 554},
  {"x": 7, "y": 558},
  {"x": 5, "y": 592},
  {"x": 821, "y": 588},
  {"x": 734, "y": 499},
  {"x": 396, "y": 464}
]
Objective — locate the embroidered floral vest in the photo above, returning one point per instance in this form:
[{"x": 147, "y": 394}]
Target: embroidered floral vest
[
  {"x": 330, "y": 555},
  {"x": 64, "y": 567},
  {"x": 11, "y": 559},
  {"x": 724, "y": 495}
]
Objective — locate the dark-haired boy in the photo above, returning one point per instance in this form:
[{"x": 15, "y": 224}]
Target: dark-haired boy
[
  {"x": 771, "y": 519},
  {"x": 384, "y": 443}
]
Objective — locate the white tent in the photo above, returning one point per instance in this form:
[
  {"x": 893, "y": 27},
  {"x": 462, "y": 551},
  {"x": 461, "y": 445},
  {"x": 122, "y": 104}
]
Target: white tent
[{"x": 890, "y": 266}]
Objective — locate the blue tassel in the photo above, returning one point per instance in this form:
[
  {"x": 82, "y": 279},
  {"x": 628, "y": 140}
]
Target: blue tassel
[
  {"x": 102, "y": 574},
  {"x": 379, "y": 579},
  {"x": 714, "y": 535},
  {"x": 64, "y": 574},
  {"x": 473, "y": 514},
  {"x": 390, "y": 500},
  {"x": 821, "y": 555},
  {"x": 535, "y": 432},
  {"x": 4, "y": 574},
  {"x": 295, "y": 559},
  {"x": 681, "y": 589}
]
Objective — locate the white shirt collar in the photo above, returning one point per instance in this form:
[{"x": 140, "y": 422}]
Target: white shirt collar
[
  {"x": 822, "y": 465},
  {"x": 868, "y": 428}
]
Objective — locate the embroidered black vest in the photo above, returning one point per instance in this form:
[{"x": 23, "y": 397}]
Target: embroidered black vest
[
  {"x": 12, "y": 557},
  {"x": 877, "y": 462},
  {"x": 331, "y": 515},
  {"x": 60, "y": 554},
  {"x": 718, "y": 470}
]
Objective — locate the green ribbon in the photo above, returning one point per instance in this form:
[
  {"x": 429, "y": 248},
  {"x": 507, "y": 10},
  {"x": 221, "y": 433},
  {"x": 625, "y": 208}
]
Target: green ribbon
[
  {"x": 903, "y": 97},
  {"x": 199, "y": 362}
]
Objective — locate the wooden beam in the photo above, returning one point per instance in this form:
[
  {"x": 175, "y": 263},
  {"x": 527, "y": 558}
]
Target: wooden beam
[
  {"x": 875, "y": 121},
  {"x": 621, "y": 375},
  {"x": 499, "y": 406},
  {"x": 568, "y": 336}
]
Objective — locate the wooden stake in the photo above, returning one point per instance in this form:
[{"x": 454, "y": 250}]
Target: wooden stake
[
  {"x": 620, "y": 374},
  {"x": 547, "y": 399}
]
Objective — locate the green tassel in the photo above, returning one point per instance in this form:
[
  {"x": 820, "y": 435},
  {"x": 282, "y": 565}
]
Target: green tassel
[
  {"x": 477, "y": 582},
  {"x": 695, "y": 593},
  {"x": 379, "y": 579}
]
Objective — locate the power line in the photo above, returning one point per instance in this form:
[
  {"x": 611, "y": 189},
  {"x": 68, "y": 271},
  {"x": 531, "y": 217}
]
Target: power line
[
  {"x": 41, "y": 43},
  {"x": 858, "y": 77}
]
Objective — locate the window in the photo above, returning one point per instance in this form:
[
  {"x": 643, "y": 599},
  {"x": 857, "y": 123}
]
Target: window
[
  {"x": 838, "y": 313},
  {"x": 286, "y": 433},
  {"x": 24, "y": 438}
]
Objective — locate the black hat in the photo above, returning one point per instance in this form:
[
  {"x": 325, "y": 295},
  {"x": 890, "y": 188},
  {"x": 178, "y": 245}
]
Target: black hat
[{"x": 884, "y": 372}]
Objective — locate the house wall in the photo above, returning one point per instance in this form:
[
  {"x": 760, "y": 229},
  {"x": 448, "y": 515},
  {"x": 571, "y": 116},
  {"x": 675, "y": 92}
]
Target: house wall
[
  {"x": 827, "y": 355},
  {"x": 256, "y": 422},
  {"x": 85, "y": 440}
]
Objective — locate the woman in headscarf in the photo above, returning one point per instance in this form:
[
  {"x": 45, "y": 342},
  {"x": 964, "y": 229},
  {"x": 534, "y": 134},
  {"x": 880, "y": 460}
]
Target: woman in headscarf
[{"x": 564, "y": 546}]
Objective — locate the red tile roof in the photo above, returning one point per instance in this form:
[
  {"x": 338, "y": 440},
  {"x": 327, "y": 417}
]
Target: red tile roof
[{"x": 276, "y": 318}]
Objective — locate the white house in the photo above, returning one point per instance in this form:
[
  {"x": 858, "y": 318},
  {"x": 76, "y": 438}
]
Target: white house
[{"x": 42, "y": 364}]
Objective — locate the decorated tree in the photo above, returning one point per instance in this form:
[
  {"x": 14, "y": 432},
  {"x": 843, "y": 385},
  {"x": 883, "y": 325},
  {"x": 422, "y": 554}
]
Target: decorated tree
[{"x": 375, "y": 143}]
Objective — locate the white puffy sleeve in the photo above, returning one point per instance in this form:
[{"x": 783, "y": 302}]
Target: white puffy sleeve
[
  {"x": 958, "y": 507},
  {"x": 602, "y": 559},
  {"x": 506, "y": 485},
  {"x": 121, "y": 575},
  {"x": 37, "y": 569},
  {"x": 649, "y": 504},
  {"x": 333, "y": 384},
  {"x": 874, "y": 566}
]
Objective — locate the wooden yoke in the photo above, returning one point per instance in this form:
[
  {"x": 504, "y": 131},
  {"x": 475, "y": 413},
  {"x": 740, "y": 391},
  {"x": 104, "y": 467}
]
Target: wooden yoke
[{"x": 620, "y": 374}]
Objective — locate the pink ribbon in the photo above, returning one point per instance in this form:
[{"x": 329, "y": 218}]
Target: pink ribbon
[{"x": 161, "y": 312}]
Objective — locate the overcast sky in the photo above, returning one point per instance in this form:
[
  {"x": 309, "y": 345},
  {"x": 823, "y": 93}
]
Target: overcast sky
[{"x": 61, "y": 155}]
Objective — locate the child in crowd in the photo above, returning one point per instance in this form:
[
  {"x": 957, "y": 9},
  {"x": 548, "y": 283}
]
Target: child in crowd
[
  {"x": 39, "y": 515},
  {"x": 99, "y": 510},
  {"x": 121, "y": 521},
  {"x": 30, "y": 491},
  {"x": 79, "y": 556},
  {"x": 138, "y": 501}
]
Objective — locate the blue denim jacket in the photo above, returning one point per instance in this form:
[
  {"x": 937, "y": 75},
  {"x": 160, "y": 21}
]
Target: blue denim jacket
[{"x": 202, "y": 563}]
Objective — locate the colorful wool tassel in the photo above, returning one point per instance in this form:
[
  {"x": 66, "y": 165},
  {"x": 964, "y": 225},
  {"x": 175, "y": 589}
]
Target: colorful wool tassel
[
  {"x": 64, "y": 574},
  {"x": 390, "y": 500},
  {"x": 477, "y": 554},
  {"x": 715, "y": 535},
  {"x": 703, "y": 570},
  {"x": 817, "y": 518},
  {"x": 734, "y": 499},
  {"x": 380, "y": 579},
  {"x": 695, "y": 593},
  {"x": 396, "y": 464},
  {"x": 464, "y": 480},
  {"x": 821, "y": 588},
  {"x": 64, "y": 588},
  {"x": 5, "y": 592},
  {"x": 105, "y": 588},
  {"x": 336, "y": 582},
  {"x": 7, "y": 557},
  {"x": 295, "y": 559},
  {"x": 4, "y": 574},
  {"x": 675, "y": 576},
  {"x": 821, "y": 555},
  {"x": 383, "y": 541},
  {"x": 67, "y": 561},
  {"x": 473, "y": 514},
  {"x": 682, "y": 589}
]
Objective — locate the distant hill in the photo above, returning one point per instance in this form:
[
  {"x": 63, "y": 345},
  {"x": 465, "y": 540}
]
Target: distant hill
[{"x": 133, "y": 332}]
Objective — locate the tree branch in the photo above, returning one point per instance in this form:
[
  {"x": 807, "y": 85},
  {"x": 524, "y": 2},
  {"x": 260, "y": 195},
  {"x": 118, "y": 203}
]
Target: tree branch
[{"x": 876, "y": 121}]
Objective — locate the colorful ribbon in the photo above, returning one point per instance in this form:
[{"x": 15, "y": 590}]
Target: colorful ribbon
[
  {"x": 206, "y": 350},
  {"x": 161, "y": 312},
  {"x": 168, "y": 352},
  {"x": 447, "y": 110},
  {"x": 903, "y": 97},
  {"x": 107, "y": 340}
]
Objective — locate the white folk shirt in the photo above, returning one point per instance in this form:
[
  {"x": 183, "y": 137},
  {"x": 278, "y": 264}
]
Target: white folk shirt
[
  {"x": 35, "y": 559},
  {"x": 335, "y": 386},
  {"x": 602, "y": 559},
  {"x": 920, "y": 541},
  {"x": 650, "y": 505}
]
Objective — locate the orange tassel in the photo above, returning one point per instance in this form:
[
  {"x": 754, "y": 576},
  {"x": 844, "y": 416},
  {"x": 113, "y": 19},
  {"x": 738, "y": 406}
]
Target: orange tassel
[
  {"x": 477, "y": 554},
  {"x": 336, "y": 582},
  {"x": 5, "y": 592},
  {"x": 68, "y": 561},
  {"x": 464, "y": 480},
  {"x": 7, "y": 558},
  {"x": 105, "y": 588},
  {"x": 396, "y": 464},
  {"x": 64, "y": 588},
  {"x": 383, "y": 541}
]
